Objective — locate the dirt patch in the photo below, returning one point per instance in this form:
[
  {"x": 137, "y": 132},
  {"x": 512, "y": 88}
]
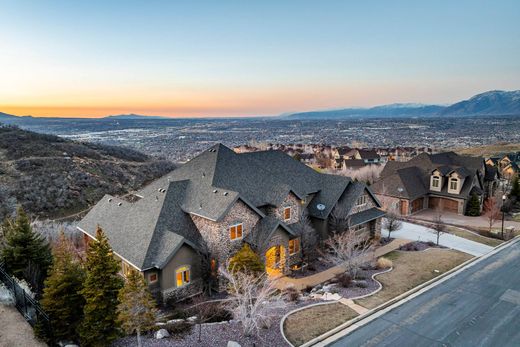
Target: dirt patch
[
  {"x": 15, "y": 331},
  {"x": 410, "y": 270},
  {"x": 314, "y": 321}
]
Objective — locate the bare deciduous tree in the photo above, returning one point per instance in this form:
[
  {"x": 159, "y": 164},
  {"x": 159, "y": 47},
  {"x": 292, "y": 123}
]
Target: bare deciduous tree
[
  {"x": 438, "y": 226},
  {"x": 339, "y": 221},
  {"x": 308, "y": 237},
  {"x": 251, "y": 299},
  {"x": 492, "y": 210},
  {"x": 350, "y": 249},
  {"x": 391, "y": 223}
]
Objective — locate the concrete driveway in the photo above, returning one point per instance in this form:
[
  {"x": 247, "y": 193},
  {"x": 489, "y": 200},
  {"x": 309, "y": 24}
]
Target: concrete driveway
[{"x": 416, "y": 232}]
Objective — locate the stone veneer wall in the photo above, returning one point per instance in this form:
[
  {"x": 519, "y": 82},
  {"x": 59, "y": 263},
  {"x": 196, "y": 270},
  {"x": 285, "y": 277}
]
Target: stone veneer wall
[
  {"x": 370, "y": 203},
  {"x": 216, "y": 234},
  {"x": 296, "y": 209}
]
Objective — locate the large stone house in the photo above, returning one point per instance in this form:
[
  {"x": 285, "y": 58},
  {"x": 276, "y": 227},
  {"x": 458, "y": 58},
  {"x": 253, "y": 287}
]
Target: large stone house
[
  {"x": 217, "y": 202},
  {"x": 444, "y": 181}
]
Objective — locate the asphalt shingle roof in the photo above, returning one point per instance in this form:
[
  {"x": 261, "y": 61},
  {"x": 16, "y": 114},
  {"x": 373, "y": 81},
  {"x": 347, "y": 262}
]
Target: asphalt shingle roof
[{"x": 149, "y": 230}]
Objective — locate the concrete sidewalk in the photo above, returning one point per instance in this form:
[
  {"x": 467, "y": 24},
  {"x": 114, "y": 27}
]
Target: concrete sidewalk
[
  {"x": 313, "y": 280},
  {"x": 416, "y": 232}
]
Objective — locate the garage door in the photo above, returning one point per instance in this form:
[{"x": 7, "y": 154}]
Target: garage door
[
  {"x": 417, "y": 204},
  {"x": 444, "y": 204}
]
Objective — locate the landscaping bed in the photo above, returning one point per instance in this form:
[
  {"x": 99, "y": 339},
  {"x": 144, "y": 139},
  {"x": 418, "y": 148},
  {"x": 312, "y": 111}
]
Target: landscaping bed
[
  {"x": 411, "y": 269},
  {"x": 218, "y": 334},
  {"x": 304, "y": 325},
  {"x": 317, "y": 266},
  {"x": 418, "y": 246}
]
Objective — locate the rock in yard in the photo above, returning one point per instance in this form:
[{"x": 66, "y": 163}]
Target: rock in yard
[
  {"x": 161, "y": 334},
  {"x": 175, "y": 321},
  {"x": 331, "y": 297},
  {"x": 233, "y": 344},
  {"x": 192, "y": 319},
  {"x": 328, "y": 287}
]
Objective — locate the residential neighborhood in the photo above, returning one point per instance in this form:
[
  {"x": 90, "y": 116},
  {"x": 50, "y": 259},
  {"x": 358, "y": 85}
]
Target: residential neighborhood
[{"x": 260, "y": 173}]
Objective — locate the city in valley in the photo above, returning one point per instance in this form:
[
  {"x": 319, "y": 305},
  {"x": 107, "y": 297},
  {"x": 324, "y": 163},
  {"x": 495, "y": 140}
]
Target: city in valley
[{"x": 178, "y": 174}]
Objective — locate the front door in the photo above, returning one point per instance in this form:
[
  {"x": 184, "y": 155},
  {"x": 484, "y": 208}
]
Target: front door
[{"x": 275, "y": 260}]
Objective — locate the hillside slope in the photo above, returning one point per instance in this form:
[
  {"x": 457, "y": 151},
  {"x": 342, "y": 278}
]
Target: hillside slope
[
  {"x": 52, "y": 177},
  {"x": 494, "y": 102}
]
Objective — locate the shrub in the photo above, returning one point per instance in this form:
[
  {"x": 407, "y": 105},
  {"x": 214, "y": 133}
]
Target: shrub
[
  {"x": 178, "y": 329},
  {"x": 308, "y": 289},
  {"x": 384, "y": 263},
  {"x": 246, "y": 260},
  {"x": 344, "y": 279},
  {"x": 292, "y": 294}
]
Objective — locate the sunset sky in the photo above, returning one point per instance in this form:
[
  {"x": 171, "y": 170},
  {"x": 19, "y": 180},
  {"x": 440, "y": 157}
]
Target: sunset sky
[{"x": 245, "y": 58}]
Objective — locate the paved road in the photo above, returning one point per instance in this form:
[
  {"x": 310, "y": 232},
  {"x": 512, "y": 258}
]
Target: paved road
[
  {"x": 478, "y": 307},
  {"x": 416, "y": 232}
]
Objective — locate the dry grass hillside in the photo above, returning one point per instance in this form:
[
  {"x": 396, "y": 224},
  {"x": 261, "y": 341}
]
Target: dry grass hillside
[
  {"x": 53, "y": 177},
  {"x": 489, "y": 150}
]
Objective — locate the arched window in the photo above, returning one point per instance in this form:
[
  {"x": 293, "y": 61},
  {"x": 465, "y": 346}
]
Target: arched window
[
  {"x": 454, "y": 183},
  {"x": 436, "y": 181}
]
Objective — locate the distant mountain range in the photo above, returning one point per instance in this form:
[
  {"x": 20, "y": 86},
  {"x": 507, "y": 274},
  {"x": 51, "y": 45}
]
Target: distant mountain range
[{"x": 496, "y": 102}]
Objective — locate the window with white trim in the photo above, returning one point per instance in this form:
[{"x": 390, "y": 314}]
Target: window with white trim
[
  {"x": 362, "y": 200},
  {"x": 183, "y": 276},
  {"x": 153, "y": 277},
  {"x": 235, "y": 231},
  {"x": 454, "y": 183},
  {"x": 436, "y": 181}
]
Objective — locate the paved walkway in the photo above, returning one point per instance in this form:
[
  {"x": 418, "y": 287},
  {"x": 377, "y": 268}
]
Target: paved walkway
[
  {"x": 460, "y": 220},
  {"x": 416, "y": 232},
  {"x": 313, "y": 280}
]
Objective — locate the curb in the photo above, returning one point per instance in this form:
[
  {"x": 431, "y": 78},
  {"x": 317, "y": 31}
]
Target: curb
[
  {"x": 330, "y": 302},
  {"x": 398, "y": 300}
]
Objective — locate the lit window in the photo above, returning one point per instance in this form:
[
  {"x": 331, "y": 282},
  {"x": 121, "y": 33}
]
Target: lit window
[
  {"x": 435, "y": 182},
  {"x": 294, "y": 245},
  {"x": 287, "y": 213},
  {"x": 453, "y": 184},
  {"x": 361, "y": 200},
  {"x": 152, "y": 278},
  {"x": 183, "y": 276},
  {"x": 126, "y": 268},
  {"x": 235, "y": 231}
]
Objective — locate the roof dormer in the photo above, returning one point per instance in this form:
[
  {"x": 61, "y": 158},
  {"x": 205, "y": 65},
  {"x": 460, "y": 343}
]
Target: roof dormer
[
  {"x": 455, "y": 181},
  {"x": 436, "y": 180}
]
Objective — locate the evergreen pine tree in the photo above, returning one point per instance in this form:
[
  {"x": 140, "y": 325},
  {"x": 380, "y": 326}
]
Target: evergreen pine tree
[
  {"x": 100, "y": 290},
  {"x": 246, "y": 260},
  {"x": 136, "y": 310},
  {"x": 473, "y": 208},
  {"x": 515, "y": 187},
  {"x": 26, "y": 254},
  {"x": 62, "y": 299}
]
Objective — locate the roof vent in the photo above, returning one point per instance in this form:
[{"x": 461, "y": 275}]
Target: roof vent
[
  {"x": 320, "y": 207},
  {"x": 109, "y": 199},
  {"x": 119, "y": 204},
  {"x": 156, "y": 198},
  {"x": 159, "y": 189},
  {"x": 225, "y": 193},
  {"x": 203, "y": 174},
  {"x": 215, "y": 191},
  {"x": 200, "y": 206}
]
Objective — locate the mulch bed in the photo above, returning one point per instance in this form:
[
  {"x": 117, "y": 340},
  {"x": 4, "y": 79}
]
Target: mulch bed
[
  {"x": 317, "y": 266},
  {"x": 218, "y": 335},
  {"x": 418, "y": 246},
  {"x": 354, "y": 291}
]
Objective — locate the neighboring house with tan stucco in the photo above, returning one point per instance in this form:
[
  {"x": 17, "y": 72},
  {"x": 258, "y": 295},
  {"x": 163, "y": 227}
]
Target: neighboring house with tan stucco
[
  {"x": 218, "y": 201},
  {"x": 443, "y": 181}
]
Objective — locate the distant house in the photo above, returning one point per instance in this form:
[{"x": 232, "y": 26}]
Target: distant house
[
  {"x": 442, "y": 181},
  {"x": 214, "y": 204}
]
